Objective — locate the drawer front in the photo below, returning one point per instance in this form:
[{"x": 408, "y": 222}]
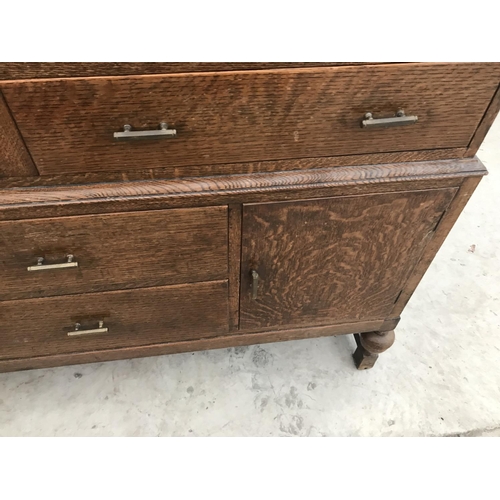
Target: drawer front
[
  {"x": 39, "y": 327},
  {"x": 112, "y": 251},
  {"x": 69, "y": 125}
]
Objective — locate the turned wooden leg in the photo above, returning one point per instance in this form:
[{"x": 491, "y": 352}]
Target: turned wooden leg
[{"x": 370, "y": 345}]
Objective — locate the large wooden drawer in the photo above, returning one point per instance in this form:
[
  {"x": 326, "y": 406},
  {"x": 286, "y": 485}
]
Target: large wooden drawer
[
  {"x": 69, "y": 125},
  {"x": 112, "y": 251},
  {"x": 39, "y": 327}
]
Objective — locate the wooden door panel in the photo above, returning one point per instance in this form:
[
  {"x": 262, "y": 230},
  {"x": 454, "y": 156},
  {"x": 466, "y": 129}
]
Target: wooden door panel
[{"x": 333, "y": 260}]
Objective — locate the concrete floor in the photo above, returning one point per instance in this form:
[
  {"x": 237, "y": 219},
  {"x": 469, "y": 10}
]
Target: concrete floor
[{"x": 441, "y": 377}]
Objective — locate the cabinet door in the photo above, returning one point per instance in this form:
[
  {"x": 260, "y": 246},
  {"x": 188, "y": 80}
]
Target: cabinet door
[{"x": 332, "y": 260}]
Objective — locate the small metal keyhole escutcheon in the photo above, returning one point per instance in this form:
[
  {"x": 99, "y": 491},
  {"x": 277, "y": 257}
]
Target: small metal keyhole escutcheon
[{"x": 255, "y": 283}]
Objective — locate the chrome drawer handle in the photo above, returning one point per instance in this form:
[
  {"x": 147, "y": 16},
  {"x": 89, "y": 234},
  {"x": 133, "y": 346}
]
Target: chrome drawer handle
[
  {"x": 77, "y": 331},
  {"x": 255, "y": 284},
  {"x": 394, "y": 121},
  {"x": 128, "y": 133},
  {"x": 45, "y": 267}
]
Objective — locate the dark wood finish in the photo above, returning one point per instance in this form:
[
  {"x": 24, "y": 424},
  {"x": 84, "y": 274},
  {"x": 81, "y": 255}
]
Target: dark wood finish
[
  {"x": 363, "y": 359},
  {"x": 336, "y": 220},
  {"x": 226, "y": 169},
  {"x": 224, "y": 341},
  {"x": 333, "y": 260},
  {"x": 234, "y": 265},
  {"x": 38, "y": 327},
  {"x": 114, "y": 251},
  {"x": 369, "y": 346},
  {"x": 389, "y": 324},
  {"x": 221, "y": 190},
  {"x": 157, "y": 203},
  {"x": 15, "y": 160},
  {"x": 248, "y": 116},
  {"x": 28, "y": 70},
  {"x": 377, "y": 342},
  {"x": 484, "y": 126},
  {"x": 439, "y": 235}
]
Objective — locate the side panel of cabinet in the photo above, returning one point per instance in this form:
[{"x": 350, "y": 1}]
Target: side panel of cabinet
[
  {"x": 15, "y": 161},
  {"x": 332, "y": 260}
]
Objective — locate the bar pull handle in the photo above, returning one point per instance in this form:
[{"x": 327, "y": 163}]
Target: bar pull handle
[
  {"x": 77, "y": 331},
  {"x": 128, "y": 133},
  {"x": 255, "y": 283},
  {"x": 45, "y": 267},
  {"x": 394, "y": 121}
]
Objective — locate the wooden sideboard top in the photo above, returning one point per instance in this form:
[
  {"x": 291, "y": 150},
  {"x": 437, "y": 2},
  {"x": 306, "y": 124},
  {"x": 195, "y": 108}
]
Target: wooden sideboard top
[{"x": 29, "y": 70}]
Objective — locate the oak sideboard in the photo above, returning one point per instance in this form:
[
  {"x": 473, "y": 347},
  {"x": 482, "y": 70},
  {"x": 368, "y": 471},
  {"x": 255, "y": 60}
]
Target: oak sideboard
[{"x": 155, "y": 208}]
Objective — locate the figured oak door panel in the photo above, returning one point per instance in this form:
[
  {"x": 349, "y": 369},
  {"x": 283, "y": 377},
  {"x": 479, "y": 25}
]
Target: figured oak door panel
[{"x": 332, "y": 260}]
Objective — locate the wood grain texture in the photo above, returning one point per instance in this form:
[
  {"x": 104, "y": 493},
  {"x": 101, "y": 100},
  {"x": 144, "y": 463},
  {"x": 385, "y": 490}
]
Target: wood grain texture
[
  {"x": 339, "y": 229},
  {"x": 186, "y": 346},
  {"x": 114, "y": 251},
  {"x": 37, "y": 327},
  {"x": 15, "y": 160},
  {"x": 221, "y": 190},
  {"x": 248, "y": 116},
  {"x": 232, "y": 168},
  {"x": 438, "y": 238},
  {"x": 159, "y": 203},
  {"x": 234, "y": 264},
  {"x": 28, "y": 70},
  {"x": 484, "y": 126},
  {"x": 332, "y": 260}
]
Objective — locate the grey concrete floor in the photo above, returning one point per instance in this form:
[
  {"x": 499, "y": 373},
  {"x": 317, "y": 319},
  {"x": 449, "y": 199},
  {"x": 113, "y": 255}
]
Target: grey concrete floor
[{"x": 441, "y": 377}]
